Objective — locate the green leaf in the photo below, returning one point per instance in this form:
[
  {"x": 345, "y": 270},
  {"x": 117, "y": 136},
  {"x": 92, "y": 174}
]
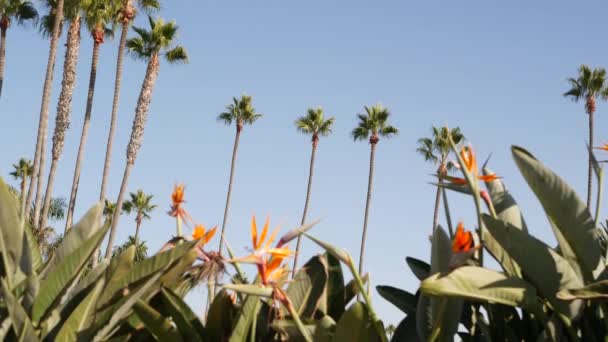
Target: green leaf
[
  {"x": 546, "y": 269},
  {"x": 75, "y": 237},
  {"x": 186, "y": 321},
  {"x": 81, "y": 317},
  {"x": 11, "y": 233},
  {"x": 355, "y": 325},
  {"x": 403, "y": 300},
  {"x": 406, "y": 330},
  {"x": 306, "y": 289},
  {"x": 504, "y": 204},
  {"x": 249, "y": 310},
  {"x": 420, "y": 268},
  {"x": 481, "y": 284},
  {"x": 334, "y": 290},
  {"x": 597, "y": 290},
  {"x": 220, "y": 317},
  {"x": 351, "y": 289},
  {"x": 92, "y": 277},
  {"x": 291, "y": 331},
  {"x": 22, "y": 325},
  {"x": 34, "y": 249},
  {"x": 250, "y": 289},
  {"x": 64, "y": 274},
  {"x": 160, "y": 326},
  {"x": 570, "y": 218},
  {"x": 324, "y": 330},
  {"x": 338, "y": 253}
]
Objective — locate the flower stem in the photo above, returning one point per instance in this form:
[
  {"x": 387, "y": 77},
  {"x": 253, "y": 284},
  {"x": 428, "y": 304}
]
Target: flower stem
[
  {"x": 296, "y": 319},
  {"x": 178, "y": 225}
]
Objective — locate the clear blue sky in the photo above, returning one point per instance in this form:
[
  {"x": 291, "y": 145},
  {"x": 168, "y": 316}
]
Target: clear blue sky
[{"x": 497, "y": 71}]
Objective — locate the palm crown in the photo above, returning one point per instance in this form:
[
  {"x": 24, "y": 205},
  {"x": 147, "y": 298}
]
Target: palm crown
[
  {"x": 100, "y": 17},
  {"x": 241, "y": 111},
  {"x": 373, "y": 124},
  {"x": 23, "y": 169},
  {"x": 109, "y": 208},
  {"x": 158, "y": 40},
  {"x": 314, "y": 123},
  {"x": 20, "y": 10},
  {"x": 127, "y": 12},
  {"x": 588, "y": 85},
  {"x": 71, "y": 9},
  {"x": 139, "y": 203},
  {"x": 437, "y": 148}
]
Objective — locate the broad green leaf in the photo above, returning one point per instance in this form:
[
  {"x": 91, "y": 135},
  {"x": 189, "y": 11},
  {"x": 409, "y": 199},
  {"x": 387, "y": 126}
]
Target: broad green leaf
[
  {"x": 5, "y": 328},
  {"x": 548, "y": 271},
  {"x": 420, "y": 268},
  {"x": 481, "y": 284},
  {"x": 403, "y": 300},
  {"x": 406, "y": 330},
  {"x": 250, "y": 289},
  {"x": 355, "y": 325},
  {"x": 160, "y": 326},
  {"x": 597, "y": 290},
  {"x": 570, "y": 218},
  {"x": 306, "y": 289},
  {"x": 31, "y": 252},
  {"x": 504, "y": 204},
  {"x": 337, "y": 252},
  {"x": 186, "y": 321},
  {"x": 22, "y": 325},
  {"x": 289, "y": 329},
  {"x": 75, "y": 237},
  {"x": 351, "y": 289},
  {"x": 11, "y": 234},
  {"x": 93, "y": 276},
  {"x": 334, "y": 290},
  {"x": 249, "y": 310},
  {"x": 220, "y": 317},
  {"x": 64, "y": 274},
  {"x": 324, "y": 330},
  {"x": 81, "y": 317}
]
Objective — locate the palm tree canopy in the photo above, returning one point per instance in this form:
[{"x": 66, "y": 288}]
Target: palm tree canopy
[
  {"x": 141, "y": 250},
  {"x": 71, "y": 8},
  {"x": 100, "y": 16},
  {"x": 437, "y": 147},
  {"x": 139, "y": 203},
  {"x": 20, "y": 10},
  {"x": 109, "y": 208},
  {"x": 315, "y": 123},
  {"x": 374, "y": 122},
  {"x": 240, "y": 111},
  {"x": 589, "y": 83},
  {"x": 158, "y": 40},
  {"x": 22, "y": 169}
]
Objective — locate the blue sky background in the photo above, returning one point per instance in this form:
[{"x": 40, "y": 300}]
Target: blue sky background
[{"x": 495, "y": 70}]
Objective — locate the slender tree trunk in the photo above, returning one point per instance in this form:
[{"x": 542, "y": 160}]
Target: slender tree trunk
[
  {"x": 440, "y": 173},
  {"x": 40, "y": 177},
  {"x": 137, "y": 136},
  {"x": 230, "y": 182},
  {"x": 38, "y": 167},
  {"x": 22, "y": 197},
  {"x": 590, "y": 170},
  {"x": 2, "y": 51},
  {"x": 308, "y": 188},
  {"x": 367, "y": 204},
  {"x": 446, "y": 208},
  {"x": 117, "y": 84},
  {"x": 83, "y": 137},
  {"x": 64, "y": 107},
  {"x": 137, "y": 226}
]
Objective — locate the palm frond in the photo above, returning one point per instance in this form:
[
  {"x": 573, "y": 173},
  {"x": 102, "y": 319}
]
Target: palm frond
[{"x": 177, "y": 55}]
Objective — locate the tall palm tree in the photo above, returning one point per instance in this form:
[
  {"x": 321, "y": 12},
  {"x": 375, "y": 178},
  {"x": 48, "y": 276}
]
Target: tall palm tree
[
  {"x": 372, "y": 124},
  {"x": 149, "y": 46},
  {"x": 315, "y": 124},
  {"x": 125, "y": 15},
  {"x": 109, "y": 208},
  {"x": 72, "y": 11},
  {"x": 12, "y": 9},
  {"x": 98, "y": 16},
  {"x": 141, "y": 205},
  {"x": 436, "y": 150},
  {"x": 242, "y": 113},
  {"x": 23, "y": 169},
  {"x": 587, "y": 86}
]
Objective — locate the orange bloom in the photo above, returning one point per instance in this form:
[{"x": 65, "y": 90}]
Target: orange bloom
[
  {"x": 200, "y": 233},
  {"x": 261, "y": 245},
  {"x": 463, "y": 240},
  {"x": 470, "y": 162},
  {"x": 177, "y": 199},
  {"x": 603, "y": 147}
]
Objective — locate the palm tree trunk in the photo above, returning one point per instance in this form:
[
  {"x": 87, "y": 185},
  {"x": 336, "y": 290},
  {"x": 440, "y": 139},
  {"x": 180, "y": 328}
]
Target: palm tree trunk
[
  {"x": 83, "y": 136},
  {"x": 590, "y": 170},
  {"x": 22, "y": 198},
  {"x": 119, "y": 201},
  {"x": 40, "y": 177},
  {"x": 38, "y": 167},
  {"x": 230, "y": 182},
  {"x": 64, "y": 107},
  {"x": 367, "y": 204},
  {"x": 137, "y": 136},
  {"x": 308, "y": 188},
  {"x": 117, "y": 84},
  {"x": 2, "y": 54},
  {"x": 137, "y": 226}
]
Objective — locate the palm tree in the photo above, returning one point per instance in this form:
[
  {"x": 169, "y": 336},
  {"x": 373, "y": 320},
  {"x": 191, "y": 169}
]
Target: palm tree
[
  {"x": 64, "y": 104},
  {"x": 109, "y": 208},
  {"x": 125, "y": 15},
  {"x": 372, "y": 124},
  {"x": 149, "y": 46},
  {"x": 241, "y": 112},
  {"x": 98, "y": 14},
  {"x": 436, "y": 150},
  {"x": 588, "y": 85},
  {"x": 23, "y": 169},
  {"x": 40, "y": 151},
  {"x": 315, "y": 124},
  {"x": 141, "y": 250},
  {"x": 141, "y": 205},
  {"x": 12, "y": 9}
]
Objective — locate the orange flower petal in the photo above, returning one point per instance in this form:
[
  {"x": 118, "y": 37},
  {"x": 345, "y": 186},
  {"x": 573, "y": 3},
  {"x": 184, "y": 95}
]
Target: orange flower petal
[
  {"x": 209, "y": 235},
  {"x": 271, "y": 238},
  {"x": 264, "y": 233},
  {"x": 458, "y": 181},
  {"x": 199, "y": 232},
  {"x": 254, "y": 232}
]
